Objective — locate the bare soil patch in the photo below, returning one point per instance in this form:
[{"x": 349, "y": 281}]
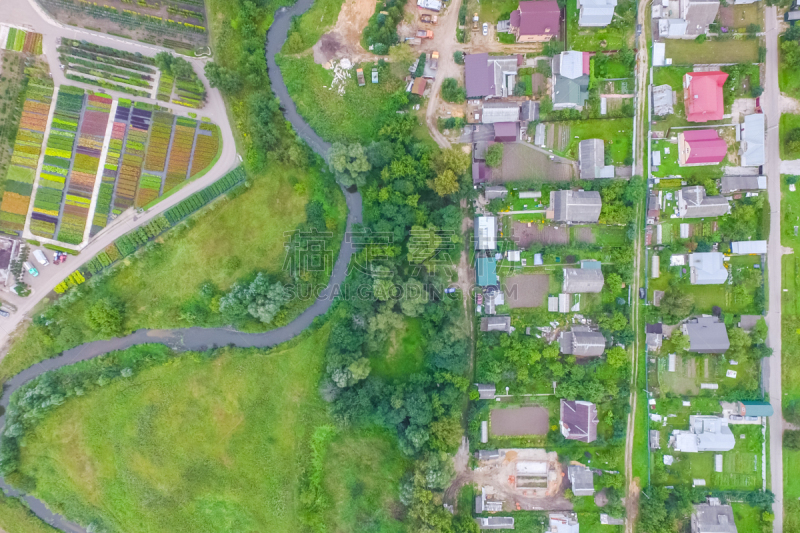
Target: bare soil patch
[
  {"x": 539, "y": 83},
  {"x": 526, "y": 290},
  {"x": 520, "y": 421},
  {"x": 344, "y": 40},
  {"x": 521, "y": 162},
  {"x": 525, "y": 235},
  {"x": 584, "y": 235}
]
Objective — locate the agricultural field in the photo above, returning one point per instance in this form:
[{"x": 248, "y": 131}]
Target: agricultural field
[
  {"x": 177, "y": 24},
  {"x": 17, "y": 40},
  {"x": 19, "y": 179}
]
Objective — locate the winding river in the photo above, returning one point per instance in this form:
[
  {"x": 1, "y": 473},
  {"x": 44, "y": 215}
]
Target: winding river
[{"x": 197, "y": 339}]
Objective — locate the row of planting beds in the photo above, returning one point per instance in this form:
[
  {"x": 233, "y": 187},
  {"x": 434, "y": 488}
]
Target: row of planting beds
[
  {"x": 132, "y": 159},
  {"x": 25, "y": 157},
  {"x": 181, "y": 152},
  {"x": 111, "y": 165},
  {"x": 57, "y": 161},
  {"x": 20, "y": 40},
  {"x": 206, "y": 148}
]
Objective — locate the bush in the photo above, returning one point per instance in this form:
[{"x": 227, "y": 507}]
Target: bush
[
  {"x": 494, "y": 155},
  {"x": 458, "y": 57},
  {"x": 791, "y": 439},
  {"x": 701, "y": 38},
  {"x": 451, "y": 92}
]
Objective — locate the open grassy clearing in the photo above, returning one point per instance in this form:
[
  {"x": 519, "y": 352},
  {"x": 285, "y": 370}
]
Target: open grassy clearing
[
  {"x": 312, "y": 24},
  {"x": 354, "y": 117},
  {"x": 404, "y": 353},
  {"x": 213, "y": 444},
  {"x": 788, "y": 75},
  {"x": 741, "y": 16},
  {"x": 689, "y": 52},
  {"x": 15, "y": 517},
  {"x": 225, "y": 243}
]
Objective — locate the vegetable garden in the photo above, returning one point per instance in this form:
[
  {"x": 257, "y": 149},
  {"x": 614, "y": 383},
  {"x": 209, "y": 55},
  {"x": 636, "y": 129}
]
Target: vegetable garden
[
  {"x": 20, "y": 40},
  {"x": 25, "y": 157}
]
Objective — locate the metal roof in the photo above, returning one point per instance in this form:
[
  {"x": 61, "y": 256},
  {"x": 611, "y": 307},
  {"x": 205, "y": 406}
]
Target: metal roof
[
  {"x": 485, "y": 233},
  {"x": 575, "y": 206},
  {"x": 699, "y": 14},
  {"x": 578, "y": 420},
  {"x": 701, "y": 147},
  {"x": 707, "y": 335},
  {"x": 694, "y": 203},
  {"x": 702, "y": 95},
  {"x": 486, "y": 270},
  {"x": 707, "y": 268},
  {"x": 581, "y": 280},
  {"x": 506, "y": 131},
  {"x": 663, "y": 98},
  {"x": 591, "y": 160},
  {"x": 572, "y": 64},
  {"x": 749, "y": 247},
  {"x": 756, "y": 408},
  {"x": 496, "y": 323},
  {"x": 582, "y": 480},
  {"x": 742, "y": 183},
  {"x": 752, "y": 144},
  {"x": 537, "y": 17},
  {"x": 499, "y": 112},
  {"x": 709, "y": 518},
  {"x": 596, "y": 12}
]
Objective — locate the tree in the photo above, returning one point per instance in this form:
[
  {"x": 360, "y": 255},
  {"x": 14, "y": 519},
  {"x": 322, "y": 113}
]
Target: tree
[
  {"x": 222, "y": 78},
  {"x": 494, "y": 155},
  {"x": 446, "y": 435},
  {"x": 680, "y": 342},
  {"x": 350, "y": 164},
  {"x": 444, "y": 183},
  {"x": 458, "y": 57},
  {"x": 701, "y": 38},
  {"x": 613, "y": 283},
  {"x": 617, "y": 321},
  {"x": 260, "y": 299},
  {"x": 105, "y": 317},
  {"x": 414, "y": 298},
  {"x": 793, "y": 141},
  {"x": 627, "y": 57},
  {"x": 451, "y": 159},
  {"x": 793, "y": 33},
  {"x": 451, "y": 92},
  {"x": 676, "y": 305},
  {"x": 791, "y": 439},
  {"x": 617, "y": 356},
  {"x": 790, "y": 53},
  {"x": 402, "y": 54}
]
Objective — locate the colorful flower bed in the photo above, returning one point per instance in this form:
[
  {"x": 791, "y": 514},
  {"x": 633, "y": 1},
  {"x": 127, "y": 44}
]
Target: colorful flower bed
[
  {"x": 181, "y": 152},
  {"x": 57, "y": 161},
  {"x": 25, "y": 158},
  {"x": 132, "y": 159},
  {"x": 149, "y": 189},
  {"x": 111, "y": 166},
  {"x": 84, "y": 169},
  {"x": 206, "y": 148},
  {"x": 20, "y": 40},
  {"x": 159, "y": 142}
]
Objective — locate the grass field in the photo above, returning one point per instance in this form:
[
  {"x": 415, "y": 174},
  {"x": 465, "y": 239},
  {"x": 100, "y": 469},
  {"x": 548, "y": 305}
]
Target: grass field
[
  {"x": 788, "y": 123},
  {"x": 404, "y": 354},
  {"x": 15, "y": 517},
  {"x": 213, "y": 444},
  {"x": 616, "y": 132},
  {"x": 312, "y": 24},
  {"x": 222, "y": 245},
  {"x": 788, "y": 75},
  {"x": 493, "y": 11},
  {"x": 689, "y": 52},
  {"x": 354, "y": 117}
]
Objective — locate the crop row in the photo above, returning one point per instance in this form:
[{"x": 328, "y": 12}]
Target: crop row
[
  {"x": 159, "y": 142},
  {"x": 111, "y": 166},
  {"x": 165, "y": 83},
  {"x": 107, "y": 85},
  {"x": 206, "y": 148},
  {"x": 109, "y": 76},
  {"x": 84, "y": 169},
  {"x": 108, "y": 51},
  {"x": 22, "y": 41},
  {"x": 71, "y": 62},
  {"x": 77, "y": 52},
  {"x": 131, "y": 162},
  {"x": 25, "y": 157},
  {"x": 180, "y": 154},
  {"x": 149, "y": 189}
]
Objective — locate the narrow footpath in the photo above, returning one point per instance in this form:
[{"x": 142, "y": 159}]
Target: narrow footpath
[{"x": 198, "y": 339}]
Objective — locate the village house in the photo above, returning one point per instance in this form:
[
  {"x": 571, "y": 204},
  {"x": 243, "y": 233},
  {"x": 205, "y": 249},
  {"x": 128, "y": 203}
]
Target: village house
[
  {"x": 582, "y": 342},
  {"x": 583, "y": 280},
  {"x": 693, "y": 18},
  {"x": 706, "y": 433},
  {"x": 751, "y": 140},
  {"x": 596, "y": 13},
  {"x": 707, "y": 268},
  {"x": 582, "y": 480},
  {"x": 591, "y": 160},
  {"x": 491, "y": 76},
  {"x": 693, "y": 202},
  {"x": 496, "y": 323},
  {"x": 700, "y": 147},
  {"x": 732, "y": 184},
  {"x": 713, "y": 517},
  {"x": 536, "y": 21},
  {"x": 574, "y": 206},
  {"x": 485, "y": 233},
  {"x": 570, "y": 80},
  {"x": 706, "y": 335},
  {"x": 481, "y": 172},
  {"x": 702, "y": 95},
  {"x": 578, "y": 420}
]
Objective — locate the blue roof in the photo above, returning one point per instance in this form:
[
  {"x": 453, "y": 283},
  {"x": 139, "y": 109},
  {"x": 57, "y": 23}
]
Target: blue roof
[{"x": 486, "y": 269}]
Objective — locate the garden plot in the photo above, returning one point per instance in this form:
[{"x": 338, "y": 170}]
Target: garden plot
[
  {"x": 25, "y": 157},
  {"x": 18, "y": 40},
  {"x": 523, "y": 162},
  {"x": 517, "y": 421},
  {"x": 526, "y": 290},
  {"x": 526, "y": 234}
]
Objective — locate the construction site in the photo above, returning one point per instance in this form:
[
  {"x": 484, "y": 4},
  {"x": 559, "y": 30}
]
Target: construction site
[{"x": 520, "y": 479}]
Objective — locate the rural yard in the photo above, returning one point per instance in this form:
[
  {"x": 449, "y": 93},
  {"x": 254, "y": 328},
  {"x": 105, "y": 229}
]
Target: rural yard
[
  {"x": 526, "y": 290},
  {"x": 525, "y": 162},
  {"x": 525, "y": 234},
  {"x": 531, "y": 420}
]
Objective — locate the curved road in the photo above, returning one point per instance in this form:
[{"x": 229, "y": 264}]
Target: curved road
[{"x": 199, "y": 338}]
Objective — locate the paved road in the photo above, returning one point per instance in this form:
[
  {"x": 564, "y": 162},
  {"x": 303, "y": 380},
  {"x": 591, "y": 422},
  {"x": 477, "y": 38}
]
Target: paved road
[
  {"x": 771, "y": 107},
  {"x": 29, "y": 15},
  {"x": 199, "y": 338}
]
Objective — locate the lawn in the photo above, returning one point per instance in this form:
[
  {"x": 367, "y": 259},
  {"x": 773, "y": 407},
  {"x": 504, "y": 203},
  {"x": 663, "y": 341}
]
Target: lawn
[
  {"x": 788, "y": 75},
  {"x": 495, "y": 11},
  {"x": 741, "y": 16},
  {"x": 221, "y": 245},
  {"x": 689, "y": 52},
  {"x": 612, "y": 37},
  {"x": 311, "y": 25},
  {"x": 788, "y": 124},
  {"x": 747, "y": 518},
  {"x": 669, "y": 163},
  {"x": 616, "y": 132},
  {"x": 404, "y": 353},
  {"x": 15, "y": 517},
  {"x": 210, "y": 444},
  {"x": 355, "y": 116}
]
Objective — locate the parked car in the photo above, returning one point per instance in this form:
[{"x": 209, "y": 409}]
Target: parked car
[
  {"x": 59, "y": 257},
  {"x": 4, "y": 313},
  {"x": 451, "y": 290},
  {"x": 486, "y": 28},
  {"x": 40, "y": 257},
  {"x": 641, "y": 293},
  {"x": 31, "y": 269}
]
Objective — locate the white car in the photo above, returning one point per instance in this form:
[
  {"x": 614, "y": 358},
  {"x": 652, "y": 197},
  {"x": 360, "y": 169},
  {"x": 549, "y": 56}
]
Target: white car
[{"x": 486, "y": 28}]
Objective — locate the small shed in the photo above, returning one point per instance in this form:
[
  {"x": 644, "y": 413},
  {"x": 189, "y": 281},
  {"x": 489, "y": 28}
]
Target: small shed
[
  {"x": 419, "y": 85},
  {"x": 505, "y": 132},
  {"x": 755, "y": 408},
  {"x": 486, "y": 390}
]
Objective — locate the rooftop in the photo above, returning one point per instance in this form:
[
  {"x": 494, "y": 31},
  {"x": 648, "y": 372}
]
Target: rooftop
[
  {"x": 702, "y": 95},
  {"x": 693, "y": 202},
  {"x": 752, "y": 143},
  {"x": 575, "y": 206},
  {"x": 591, "y": 160},
  {"x": 706, "y": 433},
  {"x": 582, "y": 280},
  {"x": 578, "y": 420},
  {"x": 486, "y": 75},
  {"x": 707, "y": 268},
  {"x": 537, "y": 17},
  {"x": 701, "y": 147},
  {"x": 706, "y": 335}
]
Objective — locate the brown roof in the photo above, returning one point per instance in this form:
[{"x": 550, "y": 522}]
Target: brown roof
[
  {"x": 419, "y": 86},
  {"x": 579, "y": 420},
  {"x": 537, "y": 17}
]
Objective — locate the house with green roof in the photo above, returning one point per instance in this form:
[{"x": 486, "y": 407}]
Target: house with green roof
[{"x": 486, "y": 271}]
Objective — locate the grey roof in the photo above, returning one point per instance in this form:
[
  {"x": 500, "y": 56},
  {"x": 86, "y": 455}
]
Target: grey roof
[
  {"x": 570, "y": 84},
  {"x": 538, "y": 137},
  {"x": 671, "y": 28},
  {"x": 579, "y": 280},
  {"x": 706, "y": 433},
  {"x": 582, "y": 480},
  {"x": 575, "y": 206},
  {"x": 707, "y": 268},
  {"x": 496, "y": 323},
  {"x": 582, "y": 343},
  {"x": 485, "y": 455},
  {"x": 485, "y": 74},
  {"x": 663, "y": 98},
  {"x": 707, "y": 335},
  {"x": 486, "y": 390},
  {"x": 479, "y": 150},
  {"x": 752, "y": 144},
  {"x": 748, "y": 322},
  {"x": 578, "y": 420},
  {"x": 494, "y": 191},
  {"x": 591, "y": 160},
  {"x": 496, "y": 522},
  {"x": 485, "y": 233},
  {"x": 570, "y": 64},
  {"x": 694, "y": 203},
  {"x": 699, "y": 14},
  {"x": 500, "y": 112},
  {"x": 749, "y": 247},
  {"x": 529, "y": 111},
  {"x": 654, "y": 328},
  {"x": 596, "y": 12},
  {"x": 713, "y": 518},
  {"x": 742, "y": 183}
]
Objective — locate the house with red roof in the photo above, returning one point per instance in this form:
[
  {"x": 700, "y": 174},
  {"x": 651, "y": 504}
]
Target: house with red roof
[
  {"x": 536, "y": 21},
  {"x": 700, "y": 147},
  {"x": 702, "y": 95}
]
